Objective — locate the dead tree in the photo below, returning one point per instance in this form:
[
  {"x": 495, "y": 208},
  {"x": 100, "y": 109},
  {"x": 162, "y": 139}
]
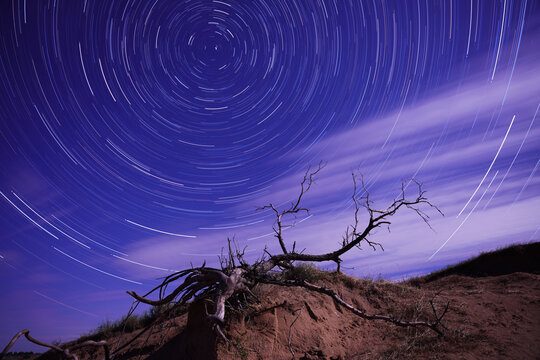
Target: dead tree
[{"x": 236, "y": 275}]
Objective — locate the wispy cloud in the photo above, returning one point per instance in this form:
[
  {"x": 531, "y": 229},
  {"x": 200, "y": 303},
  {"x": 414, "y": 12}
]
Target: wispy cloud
[{"x": 449, "y": 141}]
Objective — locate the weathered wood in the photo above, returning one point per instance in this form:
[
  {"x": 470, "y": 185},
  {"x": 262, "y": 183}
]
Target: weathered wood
[{"x": 66, "y": 351}]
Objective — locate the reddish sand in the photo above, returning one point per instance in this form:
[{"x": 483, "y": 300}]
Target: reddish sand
[{"x": 489, "y": 318}]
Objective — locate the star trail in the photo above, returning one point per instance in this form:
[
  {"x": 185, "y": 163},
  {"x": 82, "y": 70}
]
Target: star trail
[{"x": 136, "y": 136}]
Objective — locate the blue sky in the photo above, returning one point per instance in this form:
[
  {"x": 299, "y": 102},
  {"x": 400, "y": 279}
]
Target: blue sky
[{"x": 135, "y": 137}]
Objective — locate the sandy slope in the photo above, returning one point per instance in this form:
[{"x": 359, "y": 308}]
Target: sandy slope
[{"x": 490, "y": 318}]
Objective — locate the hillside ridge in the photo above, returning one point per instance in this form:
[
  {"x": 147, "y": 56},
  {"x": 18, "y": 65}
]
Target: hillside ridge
[{"x": 490, "y": 316}]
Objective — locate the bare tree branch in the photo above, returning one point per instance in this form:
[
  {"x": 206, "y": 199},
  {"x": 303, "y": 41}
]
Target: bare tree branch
[
  {"x": 353, "y": 237},
  {"x": 294, "y": 208},
  {"x": 66, "y": 351}
]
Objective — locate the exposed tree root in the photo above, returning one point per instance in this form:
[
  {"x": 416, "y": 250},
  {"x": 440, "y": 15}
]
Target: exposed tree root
[
  {"x": 202, "y": 283},
  {"x": 290, "y": 331},
  {"x": 434, "y": 326}
]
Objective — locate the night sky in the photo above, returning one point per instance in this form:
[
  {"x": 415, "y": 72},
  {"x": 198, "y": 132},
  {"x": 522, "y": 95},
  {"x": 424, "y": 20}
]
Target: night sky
[{"x": 136, "y": 136}]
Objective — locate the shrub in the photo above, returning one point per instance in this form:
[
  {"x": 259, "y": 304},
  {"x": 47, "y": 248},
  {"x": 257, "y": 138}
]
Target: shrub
[{"x": 304, "y": 271}]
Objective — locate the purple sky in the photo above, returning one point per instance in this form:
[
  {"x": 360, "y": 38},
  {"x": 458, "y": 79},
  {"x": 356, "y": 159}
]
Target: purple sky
[{"x": 135, "y": 137}]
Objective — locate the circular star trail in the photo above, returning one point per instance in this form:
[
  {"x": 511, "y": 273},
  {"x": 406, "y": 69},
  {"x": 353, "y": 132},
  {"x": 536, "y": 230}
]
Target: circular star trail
[
  {"x": 128, "y": 126},
  {"x": 190, "y": 102}
]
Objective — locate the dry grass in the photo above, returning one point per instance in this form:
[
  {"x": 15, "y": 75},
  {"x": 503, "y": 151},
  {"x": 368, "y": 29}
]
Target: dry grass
[
  {"x": 520, "y": 257},
  {"x": 21, "y": 356},
  {"x": 134, "y": 322}
]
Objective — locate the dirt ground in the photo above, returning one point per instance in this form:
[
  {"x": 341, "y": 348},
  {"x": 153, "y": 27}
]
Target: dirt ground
[{"x": 495, "y": 317}]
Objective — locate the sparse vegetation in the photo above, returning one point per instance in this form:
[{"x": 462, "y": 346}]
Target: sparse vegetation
[
  {"x": 133, "y": 322},
  {"x": 238, "y": 343},
  {"x": 305, "y": 271}
]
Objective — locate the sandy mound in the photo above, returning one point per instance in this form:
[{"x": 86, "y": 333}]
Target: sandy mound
[{"x": 490, "y": 318}]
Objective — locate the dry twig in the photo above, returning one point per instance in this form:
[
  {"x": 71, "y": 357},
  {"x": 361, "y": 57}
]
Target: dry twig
[{"x": 66, "y": 351}]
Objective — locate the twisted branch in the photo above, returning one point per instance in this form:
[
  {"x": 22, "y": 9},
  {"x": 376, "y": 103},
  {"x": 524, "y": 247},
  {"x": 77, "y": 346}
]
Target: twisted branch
[
  {"x": 294, "y": 208},
  {"x": 354, "y": 237},
  {"x": 202, "y": 283},
  {"x": 66, "y": 351}
]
